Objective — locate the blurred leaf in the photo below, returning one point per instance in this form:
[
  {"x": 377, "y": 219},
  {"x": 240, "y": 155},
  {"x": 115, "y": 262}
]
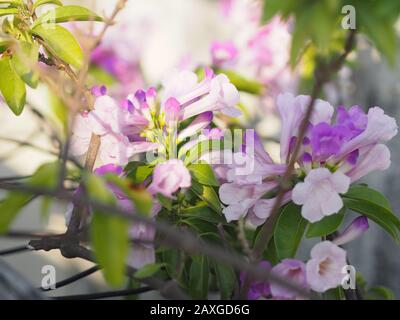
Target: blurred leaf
[
  {"x": 12, "y": 2},
  {"x": 23, "y": 60},
  {"x": 61, "y": 43},
  {"x": 203, "y": 174},
  {"x": 12, "y": 87},
  {"x": 142, "y": 199},
  {"x": 8, "y": 11},
  {"x": 39, "y": 3},
  {"x": 66, "y": 14},
  {"x": 226, "y": 279},
  {"x": 45, "y": 207},
  {"x": 241, "y": 83},
  {"x": 326, "y": 226},
  {"x": 148, "y": 270},
  {"x": 381, "y": 31},
  {"x": 289, "y": 231},
  {"x": 208, "y": 195},
  {"x": 199, "y": 277},
  {"x": 203, "y": 212},
  {"x": 109, "y": 233},
  {"x": 380, "y": 293},
  {"x": 138, "y": 172},
  {"x": 10, "y": 206}
]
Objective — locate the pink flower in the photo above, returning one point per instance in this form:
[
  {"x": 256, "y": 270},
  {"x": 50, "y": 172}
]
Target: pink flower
[
  {"x": 241, "y": 198},
  {"x": 370, "y": 159},
  {"x": 169, "y": 177},
  {"x": 292, "y": 270},
  {"x": 319, "y": 193},
  {"x": 324, "y": 269},
  {"x": 380, "y": 128},
  {"x": 214, "y": 93},
  {"x": 223, "y": 53}
]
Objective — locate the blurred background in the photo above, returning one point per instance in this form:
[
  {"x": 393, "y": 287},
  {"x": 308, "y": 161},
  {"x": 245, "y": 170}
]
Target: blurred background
[{"x": 154, "y": 37}]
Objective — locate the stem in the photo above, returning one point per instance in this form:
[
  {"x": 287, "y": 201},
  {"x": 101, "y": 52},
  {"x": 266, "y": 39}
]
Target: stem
[{"x": 105, "y": 295}]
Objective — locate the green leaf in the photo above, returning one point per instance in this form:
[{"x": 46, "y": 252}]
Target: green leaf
[
  {"x": 208, "y": 195},
  {"x": 381, "y": 31},
  {"x": 61, "y": 44},
  {"x": 199, "y": 277},
  {"x": 375, "y": 206},
  {"x": 226, "y": 279},
  {"x": 14, "y": 3},
  {"x": 23, "y": 60},
  {"x": 289, "y": 231},
  {"x": 8, "y": 11},
  {"x": 203, "y": 174},
  {"x": 203, "y": 212},
  {"x": 138, "y": 172},
  {"x": 39, "y": 3},
  {"x": 16, "y": 200},
  {"x": 148, "y": 270},
  {"x": 301, "y": 35},
  {"x": 109, "y": 233},
  {"x": 66, "y": 14},
  {"x": 326, "y": 226},
  {"x": 380, "y": 293},
  {"x": 111, "y": 244},
  {"x": 12, "y": 87}
]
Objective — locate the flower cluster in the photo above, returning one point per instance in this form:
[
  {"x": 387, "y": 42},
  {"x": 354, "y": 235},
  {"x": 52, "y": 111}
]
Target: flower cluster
[{"x": 333, "y": 154}]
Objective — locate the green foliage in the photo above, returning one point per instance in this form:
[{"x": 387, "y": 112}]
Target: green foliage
[
  {"x": 39, "y": 3},
  {"x": 12, "y": 87},
  {"x": 11, "y": 205},
  {"x": 207, "y": 194},
  {"x": 375, "y": 206},
  {"x": 326, "y": 226},
  {"x": 203, "y": 174},
  {"x": 138, "y": 172},
  {"x": 318, "y": 23},
  {"x": 66, "y": 14},
  {"x": 289, "y": 231},
  {"x": 241, "y": 83},
  {"x": 148, "y": 270},
  {"x": 61, "y": 43},
  {"x": 199, "y": 277},
  {"x": 23, "y": 61},
  {"x": 226, "y": 280},
  {"x": 109, "y": 234}
]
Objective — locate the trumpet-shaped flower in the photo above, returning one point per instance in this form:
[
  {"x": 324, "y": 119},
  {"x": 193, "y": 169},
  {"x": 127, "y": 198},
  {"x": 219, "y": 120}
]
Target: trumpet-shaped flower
[
  {"x": 293, "y": 271},
  {"x": 319, "y": 193},
  {"x": 324, "y": 269}
]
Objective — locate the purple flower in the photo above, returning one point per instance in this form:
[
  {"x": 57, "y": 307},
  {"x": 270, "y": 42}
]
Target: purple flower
[
  {"x": 258, "y": 289},
  {"x": 355, "y": 230},
  {"x": 327, "y": 140},
  {"x": 319, "y": 193},
  {"x": 324, "y": 269},
  {"x": 354, "y": 120},
  {"x": 169, "y": 177},
  {"x": 292, "y": 270}
]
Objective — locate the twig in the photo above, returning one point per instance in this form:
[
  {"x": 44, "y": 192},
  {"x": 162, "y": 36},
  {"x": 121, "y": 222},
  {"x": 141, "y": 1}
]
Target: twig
[
  {"x": 105, "y": 295},
  {"x": 74, "y": 278},
  {"x": 15, "y": 250}
]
